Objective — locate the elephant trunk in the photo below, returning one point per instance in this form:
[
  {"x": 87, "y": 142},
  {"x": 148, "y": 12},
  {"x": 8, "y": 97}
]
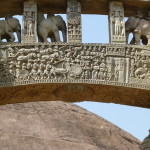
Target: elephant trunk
[
  {"x": 18, "y": 32},
  {"x": 130, "y": 26},
  {"x": 64, "y": 32},
  {"x": 127, "y": 36},
  {"x": 19, "y": 36}
]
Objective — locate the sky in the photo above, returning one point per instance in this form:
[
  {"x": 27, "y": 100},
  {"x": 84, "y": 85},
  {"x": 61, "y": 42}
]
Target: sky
[{"x": 134, "y": 120}]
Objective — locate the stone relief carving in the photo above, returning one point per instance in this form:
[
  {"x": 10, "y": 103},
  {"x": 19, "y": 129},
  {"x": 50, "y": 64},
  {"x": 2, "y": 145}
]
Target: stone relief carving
[
  {"x": 74, "y": 21},
  {"x": 65, "y": 61},
  {"x": 50, "y": 27},
  {"x": 47, "y": 62},
  {"x": 29, "y": 22},
  {"x": 116, "y": 22},
  {"x": 8, "y": 27},
  {"x": 140, "y": 64},
  {"x": 140, "y": 27}
]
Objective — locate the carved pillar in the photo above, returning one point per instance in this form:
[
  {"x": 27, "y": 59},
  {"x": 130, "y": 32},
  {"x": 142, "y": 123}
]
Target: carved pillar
[
  {"x": 74, "y": 21},
  {"x": 29, "y": 31},
  {"x": 116, "y": 23}
]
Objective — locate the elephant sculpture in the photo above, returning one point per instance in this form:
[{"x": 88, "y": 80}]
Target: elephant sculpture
[
  {"x": 49, "y": 28},
  {"x": 140, "y": 28},
  {"x": 8, "y": 27}
]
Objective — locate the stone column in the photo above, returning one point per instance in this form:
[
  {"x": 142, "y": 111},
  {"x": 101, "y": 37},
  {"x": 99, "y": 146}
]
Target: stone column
[
  {"x": 29, "y": 31},
  {"x": 116, "y": 23},
  {"x": 74, "y": 21}
]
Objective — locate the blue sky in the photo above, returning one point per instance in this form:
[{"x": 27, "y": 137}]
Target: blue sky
[
  {"x": 134, "y": 120},
  {"x": 131, "y": 119}
]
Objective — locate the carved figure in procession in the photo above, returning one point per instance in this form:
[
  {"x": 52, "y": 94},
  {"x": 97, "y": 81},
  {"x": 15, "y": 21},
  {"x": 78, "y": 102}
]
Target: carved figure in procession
[
  {"x": 8, "y": 27},
  {"x": 50, "y": 27},
  {"x": 140, "y": 27}
]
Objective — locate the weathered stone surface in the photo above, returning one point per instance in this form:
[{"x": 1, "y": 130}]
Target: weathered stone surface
[
  {"x": 146, "y": 143},
  {"x": 59, "y": 126},
  {"x": 111, "y": 73},
  {"x": 59, "y": 6}
]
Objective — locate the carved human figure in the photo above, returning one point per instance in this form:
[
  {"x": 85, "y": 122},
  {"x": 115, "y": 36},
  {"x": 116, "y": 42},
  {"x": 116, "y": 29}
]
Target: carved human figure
[
  {"x": 95, "y": 70},
  {"x": 12, "y": 68},
  {"x": 100, "y": 75},
  {"x": 29, "y": 21},
  {"x": 122, "y": 27},
  {"x": 47, "y": 70},
  {"x": 87, "y": 69},
  {"x": 116, "y": 75},
  {"x": 40, "y": 71},
  {"x": 110, "y": 76},
  {"x": 34, "y": 70},
  {"x": 11, "y": 52},
  {"x": 117, "y": 23},
  {"x": 18, "y": 68},
  {"x": 29, "y": 64},
  {"x": 117, "y": 26}
]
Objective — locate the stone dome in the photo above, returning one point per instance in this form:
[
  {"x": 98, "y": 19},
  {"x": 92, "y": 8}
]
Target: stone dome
[{"x": 59, "y": 126}]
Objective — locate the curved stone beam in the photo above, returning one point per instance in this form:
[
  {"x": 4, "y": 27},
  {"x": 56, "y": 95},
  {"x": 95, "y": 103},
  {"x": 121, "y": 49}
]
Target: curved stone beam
[
  {"x": 110, "y": 73},
  {"x": 88, "y": 6}
]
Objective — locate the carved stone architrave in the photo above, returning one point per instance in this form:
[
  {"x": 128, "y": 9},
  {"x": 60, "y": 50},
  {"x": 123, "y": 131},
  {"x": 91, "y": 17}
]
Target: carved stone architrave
[
  {"x": 116, "y": 23},
  {"x": 24, "y": 63},
  {"x": 74, "y": 21},
  {"x": 29, "y": 22}
]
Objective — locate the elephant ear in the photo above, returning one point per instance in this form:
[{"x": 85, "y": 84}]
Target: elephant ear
[
  {"x": 131, "y": 23},
  {"x": 9, "y": 23},
  {"x": 40, "y": 17},
  {"x": 7, "y": 27}
]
